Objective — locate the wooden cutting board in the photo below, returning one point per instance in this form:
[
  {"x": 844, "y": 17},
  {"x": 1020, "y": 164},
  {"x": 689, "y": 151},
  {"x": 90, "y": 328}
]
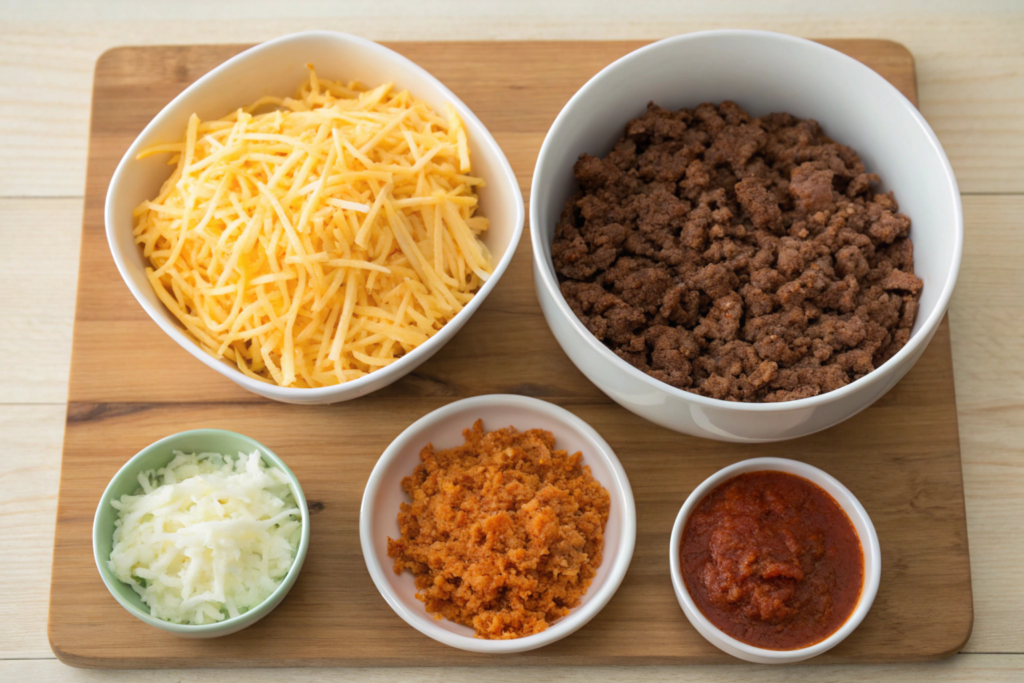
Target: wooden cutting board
[{"x": 131, "y": 385}]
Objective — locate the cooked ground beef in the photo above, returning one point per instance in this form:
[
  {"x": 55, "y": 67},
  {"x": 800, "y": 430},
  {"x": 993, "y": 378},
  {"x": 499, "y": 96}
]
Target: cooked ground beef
[{"x": 739, "y": 258}]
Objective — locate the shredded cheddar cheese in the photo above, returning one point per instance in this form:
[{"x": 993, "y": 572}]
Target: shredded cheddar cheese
[{"x": 312, "y": 240}]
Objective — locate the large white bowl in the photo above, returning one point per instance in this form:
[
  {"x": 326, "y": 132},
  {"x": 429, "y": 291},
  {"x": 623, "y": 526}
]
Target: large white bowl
[
  {"x": 278, "y": 67},
  {"x": 378, "y": 513},
  {"x": 763, "y": 72},
  {"x": 861, "y": 524}
]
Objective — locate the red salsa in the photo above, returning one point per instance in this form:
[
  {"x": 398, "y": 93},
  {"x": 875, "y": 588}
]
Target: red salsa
[{"x": 772, "y": 560}]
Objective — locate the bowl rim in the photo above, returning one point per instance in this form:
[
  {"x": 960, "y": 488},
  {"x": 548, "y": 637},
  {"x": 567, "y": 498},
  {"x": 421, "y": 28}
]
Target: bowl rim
[
  {"x": 850, "y": 505},
  {"x": 542, "y": 261},
  {"x": 231, "y": 623},
  {"x": 598, "y": 596},
  {"x": 157, "y": 312}
]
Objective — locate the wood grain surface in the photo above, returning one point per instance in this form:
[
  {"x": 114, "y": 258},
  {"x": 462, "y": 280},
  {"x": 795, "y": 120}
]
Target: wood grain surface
[{"x": 131, "y": 385}]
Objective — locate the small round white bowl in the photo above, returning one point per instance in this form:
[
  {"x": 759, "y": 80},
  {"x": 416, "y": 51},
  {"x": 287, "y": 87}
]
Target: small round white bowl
[
  {"x": 762, "y": 72},
  {"x": 278, "y": 67},
  {"x": 861, "y": 523},
  {"x": 378, "y": 514}
]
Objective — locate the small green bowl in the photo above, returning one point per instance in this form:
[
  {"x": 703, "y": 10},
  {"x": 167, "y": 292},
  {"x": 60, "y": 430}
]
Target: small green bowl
[{"x": 126, "y": 482}]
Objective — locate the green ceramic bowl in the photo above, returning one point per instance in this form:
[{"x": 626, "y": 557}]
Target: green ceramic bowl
[{"x": 126, "y": 482}]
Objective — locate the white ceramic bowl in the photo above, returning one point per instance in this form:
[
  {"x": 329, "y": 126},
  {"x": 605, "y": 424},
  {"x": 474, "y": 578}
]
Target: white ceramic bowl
[
  {"x": 278, "y": 67},
  {"x": 763, "y": 72},
  {"x": 861, "y": 523},
  {"x": 378, "y": 514}
]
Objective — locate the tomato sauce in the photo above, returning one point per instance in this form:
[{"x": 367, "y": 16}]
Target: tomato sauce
[{"x": 772, "y": 560}]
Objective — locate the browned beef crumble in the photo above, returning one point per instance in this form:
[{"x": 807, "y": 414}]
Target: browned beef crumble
[{"x": 739, "y": 258}]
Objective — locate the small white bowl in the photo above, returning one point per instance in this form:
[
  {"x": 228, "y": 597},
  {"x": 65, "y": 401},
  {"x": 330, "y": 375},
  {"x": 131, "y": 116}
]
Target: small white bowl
[
  {"x": 378, "y": 514},
  {"x": 762, "y": 72},
  {"x": 861, "y": 523},
  {"x": 278, "y": 67}
]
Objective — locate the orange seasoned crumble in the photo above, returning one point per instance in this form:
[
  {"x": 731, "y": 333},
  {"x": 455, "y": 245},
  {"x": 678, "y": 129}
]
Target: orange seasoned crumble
[{"x": 503, "y": 534}]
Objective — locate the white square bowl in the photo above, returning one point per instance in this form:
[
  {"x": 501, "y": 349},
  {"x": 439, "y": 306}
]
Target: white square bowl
[{"x": 278, "y": 67}]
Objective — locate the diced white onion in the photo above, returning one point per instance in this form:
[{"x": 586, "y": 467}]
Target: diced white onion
[{"x": 207, "y": 537}]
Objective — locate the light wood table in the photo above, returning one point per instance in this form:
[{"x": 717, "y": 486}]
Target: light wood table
[{"x": 970, "y": 60}]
